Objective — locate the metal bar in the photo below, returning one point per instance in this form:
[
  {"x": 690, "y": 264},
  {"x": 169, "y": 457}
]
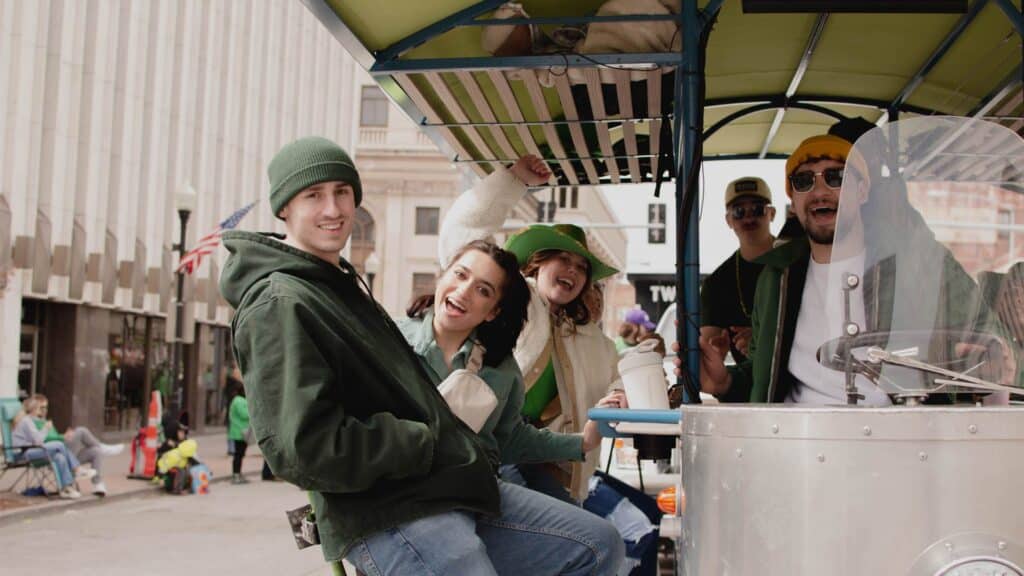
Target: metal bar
[
  {"x": 625, "y": 98},
  {"x": 819, "y": 99},
  {"x": 484, "y": 109},
  {"x": 436, "y": 29},
  {"x": 940, "y": 51},
  {"x": 798, "y": 76},
  {"x": 537, "y": 61},
  {"x": 761, "y": 107},
  {"x": 323, "y": 12},
  {"x": 541, "y": 107},
  {"x": 547, "y": 159},
  {"x": 597, "y": 108},
  {"x": 723, "y": 157},
  {"x": 553, "y": 122},
  {"x": 688, "y": 274},
  {"x": 512, "y": 110},
  {"x": 1016, "y": 18},
  {"x": 455, "y": 109},
  {"x": 542, "y": 20},
  {"x": 984, "y": 149},
  {"x": 633, "y": 415},
  {"x": 976, "y": 226},
  {"x": 653, "y": 108},
  {"x": 514, "y": 225},
  {"x": 710, "y": 11},
  {"x": 578, "y": 140},
  {"x": 420, "y": 103}
]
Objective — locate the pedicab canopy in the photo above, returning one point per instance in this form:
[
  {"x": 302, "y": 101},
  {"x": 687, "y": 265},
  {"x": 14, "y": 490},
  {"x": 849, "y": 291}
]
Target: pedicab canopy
[{"x": 593, "y": 85}]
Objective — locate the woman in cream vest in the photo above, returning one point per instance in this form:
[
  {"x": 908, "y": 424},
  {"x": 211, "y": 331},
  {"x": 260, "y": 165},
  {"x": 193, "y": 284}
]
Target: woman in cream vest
[{"x": 568, "y": 364}]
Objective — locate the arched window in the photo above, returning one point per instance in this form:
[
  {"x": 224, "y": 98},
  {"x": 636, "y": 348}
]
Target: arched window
[{"x": 363, "y": 238}]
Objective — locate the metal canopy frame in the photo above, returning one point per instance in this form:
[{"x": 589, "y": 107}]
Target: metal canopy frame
[{"x": 467, "y": 106}]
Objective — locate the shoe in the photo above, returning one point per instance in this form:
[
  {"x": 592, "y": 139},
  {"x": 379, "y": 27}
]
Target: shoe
[
  {"x": 238, "y": 479},
  {"x": 84, "y": 473},
  {"x": 69, "y": 493},
  {"x": 99, "y": 489},
  {"x": 111, "y": 449}
]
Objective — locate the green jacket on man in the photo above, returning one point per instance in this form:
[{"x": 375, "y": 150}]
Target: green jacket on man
[{"x": 340, "y": 404}]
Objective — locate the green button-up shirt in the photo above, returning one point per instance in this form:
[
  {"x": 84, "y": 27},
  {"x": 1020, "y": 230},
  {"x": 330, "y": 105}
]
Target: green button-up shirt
[{"x": 505, "y": 434}]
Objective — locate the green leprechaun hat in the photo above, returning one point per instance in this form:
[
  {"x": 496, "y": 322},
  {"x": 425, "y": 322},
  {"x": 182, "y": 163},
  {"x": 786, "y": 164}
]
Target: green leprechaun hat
[{"x": 565, "y": 237}]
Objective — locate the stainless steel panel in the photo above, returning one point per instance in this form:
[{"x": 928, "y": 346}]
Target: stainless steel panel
[{"x": 846, "y": 491}]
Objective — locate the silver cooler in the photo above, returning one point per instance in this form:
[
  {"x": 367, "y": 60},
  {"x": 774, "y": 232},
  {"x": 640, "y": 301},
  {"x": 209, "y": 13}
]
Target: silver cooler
[{"x": 851, "y": 491}]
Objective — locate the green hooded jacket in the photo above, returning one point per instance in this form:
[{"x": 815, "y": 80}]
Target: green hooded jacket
[{"x": 340, "y": 405}]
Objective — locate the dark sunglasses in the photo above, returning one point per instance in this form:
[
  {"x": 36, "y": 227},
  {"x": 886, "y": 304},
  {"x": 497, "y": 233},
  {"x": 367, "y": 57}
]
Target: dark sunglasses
[
  {"x": 741, "y": 212},
  {"x": 803, "y": 180}
]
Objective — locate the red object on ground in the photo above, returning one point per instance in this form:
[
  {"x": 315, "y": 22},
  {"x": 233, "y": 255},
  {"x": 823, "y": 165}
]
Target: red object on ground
[{"x": 149, "y": 445}]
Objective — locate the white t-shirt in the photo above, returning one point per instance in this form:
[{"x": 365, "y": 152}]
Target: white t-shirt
[{"x": 821, "y": 320}]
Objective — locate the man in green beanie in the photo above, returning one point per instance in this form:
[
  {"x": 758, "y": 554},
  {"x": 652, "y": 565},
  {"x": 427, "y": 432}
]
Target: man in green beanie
[{"x": 340, "y": 405}]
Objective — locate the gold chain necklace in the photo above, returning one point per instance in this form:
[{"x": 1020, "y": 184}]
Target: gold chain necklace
[{"x": 739, "y": 287}]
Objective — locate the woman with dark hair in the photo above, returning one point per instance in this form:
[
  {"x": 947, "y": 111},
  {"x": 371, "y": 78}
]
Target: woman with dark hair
[
  {"x": 568, "y": 364},
  {"x": 472, "y": 322}
]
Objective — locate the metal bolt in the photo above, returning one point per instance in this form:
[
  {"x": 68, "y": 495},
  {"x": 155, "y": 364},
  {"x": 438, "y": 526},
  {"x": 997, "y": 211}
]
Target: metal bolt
[
  {"x": 1001, "y": 545},
  {"x": 852, "y": 329},
  {"x": 775, "y": 428},
  {"x": 949, "y": 546},
  {"x": 852, "y": 280},
  {"x": 922, "y": 456},
  {"x": 739, "y": 453},
  {"x": 972, "y": 429},
  {"x": 821, "y": 457},
  {"x": 867, "y": 430}
]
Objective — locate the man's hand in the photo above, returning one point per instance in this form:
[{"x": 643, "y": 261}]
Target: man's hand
[
  {"x": 714, "y": 378},
  {"x": 531, "y": 170},
  {"x": 591, "y": 434},
  {"x": 741, "y": 338}
]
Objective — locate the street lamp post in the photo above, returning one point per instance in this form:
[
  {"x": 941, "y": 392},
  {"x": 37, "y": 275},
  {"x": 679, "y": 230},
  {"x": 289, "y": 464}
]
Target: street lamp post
[
  {"x": 185, "y": 202},
  {"x": 371, "y": 265}
]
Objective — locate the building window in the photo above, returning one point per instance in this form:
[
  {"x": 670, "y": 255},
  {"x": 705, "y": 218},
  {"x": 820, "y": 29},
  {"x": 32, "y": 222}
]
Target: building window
[
  {"x": 423, "y": 283},
  {"x": 427, "y": 220},
  {"x": 568, "y": 197},
  {"x": 656, "y": 221},
  {"x": 1005, "y": 220},
  {"x": 374, "y": 108},
  {"x": 362, "y": 241}
]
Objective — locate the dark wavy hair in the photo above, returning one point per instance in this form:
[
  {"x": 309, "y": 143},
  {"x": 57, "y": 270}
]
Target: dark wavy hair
[
  {"x": 583, "y": 308},
  {"x": 499, "y": 335}
]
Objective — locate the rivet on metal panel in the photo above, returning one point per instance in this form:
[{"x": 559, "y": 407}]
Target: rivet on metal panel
[
  {"x": 973, "y": 429},
  {"x": 775, "y": 428},
  {"x": 739, "y": 453},
  {"x": 821, "y": 457},
  {"x": 949, "y": 546},
  {"x": 867, "y": 430},
  {"x": 922, "y": 456},
  {"x": 1001, "y": 545}
]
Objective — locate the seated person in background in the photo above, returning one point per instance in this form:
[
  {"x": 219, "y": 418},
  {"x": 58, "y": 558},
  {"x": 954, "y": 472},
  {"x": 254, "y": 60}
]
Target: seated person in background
[
  {"x": 24, "y": 432},
  {"x": 727, "y": 294},
  {"x": 82, "y": 443},
  {"x": 175, "y": 432}
]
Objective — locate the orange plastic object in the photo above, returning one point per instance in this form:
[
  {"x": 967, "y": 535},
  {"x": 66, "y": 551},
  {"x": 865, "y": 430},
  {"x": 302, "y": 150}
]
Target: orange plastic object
[{"x": 669, "y": 498}]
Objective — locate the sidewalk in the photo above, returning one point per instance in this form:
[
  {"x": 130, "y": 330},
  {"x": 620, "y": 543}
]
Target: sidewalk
[{"x": 212, "y": 451}]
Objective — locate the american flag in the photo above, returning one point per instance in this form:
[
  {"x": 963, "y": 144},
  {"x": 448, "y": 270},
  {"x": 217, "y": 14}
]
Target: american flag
[{"x": 191, "y": 260}]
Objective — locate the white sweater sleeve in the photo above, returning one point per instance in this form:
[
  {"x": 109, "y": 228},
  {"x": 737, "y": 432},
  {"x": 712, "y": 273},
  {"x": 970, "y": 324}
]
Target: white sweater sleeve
[{"x": 479, "y": 212}]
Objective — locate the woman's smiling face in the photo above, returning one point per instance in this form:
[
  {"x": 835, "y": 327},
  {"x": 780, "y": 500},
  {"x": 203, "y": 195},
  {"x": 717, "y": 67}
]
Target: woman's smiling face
[
  {"x": 561, "y": 278},
  {"x": 468, "y": 293}
]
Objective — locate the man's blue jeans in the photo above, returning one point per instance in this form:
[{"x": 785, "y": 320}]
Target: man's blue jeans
[{"x": 535, "y": 535}]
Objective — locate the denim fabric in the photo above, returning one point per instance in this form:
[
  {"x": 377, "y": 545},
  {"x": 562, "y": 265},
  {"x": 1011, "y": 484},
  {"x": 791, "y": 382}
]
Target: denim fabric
[
  {"x": 64, "y": 461},
  {"x": 535, "y": 534},
  {"x": 536, "y": 477}
]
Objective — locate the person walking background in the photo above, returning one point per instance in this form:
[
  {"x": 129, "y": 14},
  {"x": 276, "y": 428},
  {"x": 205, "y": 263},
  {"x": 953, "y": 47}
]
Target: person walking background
[{"x": 238, "y": 432}]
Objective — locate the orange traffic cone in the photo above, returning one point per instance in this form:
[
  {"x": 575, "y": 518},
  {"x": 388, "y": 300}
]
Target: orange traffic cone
[{"x": 145, "y": 443}]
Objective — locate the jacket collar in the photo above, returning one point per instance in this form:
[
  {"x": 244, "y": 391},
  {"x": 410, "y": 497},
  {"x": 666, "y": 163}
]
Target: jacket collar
[
  {"x": 785, "y": 255},
  {"x": 425, "y": 346}
]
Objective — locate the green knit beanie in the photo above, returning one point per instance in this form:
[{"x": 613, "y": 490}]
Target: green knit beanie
[{"x": 307, "y": 162}]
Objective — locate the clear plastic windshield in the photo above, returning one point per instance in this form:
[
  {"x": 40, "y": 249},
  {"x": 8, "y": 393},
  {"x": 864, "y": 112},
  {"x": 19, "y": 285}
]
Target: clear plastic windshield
[{"x": 925, "y": 286}]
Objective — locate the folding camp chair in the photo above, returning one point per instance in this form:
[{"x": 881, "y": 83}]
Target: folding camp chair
[{"x": 36, "y": 470}]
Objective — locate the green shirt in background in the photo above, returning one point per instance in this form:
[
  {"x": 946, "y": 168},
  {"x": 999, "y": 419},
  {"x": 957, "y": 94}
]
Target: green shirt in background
[{"x": 239, "y": 418}]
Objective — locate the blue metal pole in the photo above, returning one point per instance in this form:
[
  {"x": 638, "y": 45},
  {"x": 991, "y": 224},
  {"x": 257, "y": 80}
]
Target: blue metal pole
[
  {"x": 1013, "y": 15},
  {"x": 687, "y": 138},
  {"x": 436, "y": 29}
]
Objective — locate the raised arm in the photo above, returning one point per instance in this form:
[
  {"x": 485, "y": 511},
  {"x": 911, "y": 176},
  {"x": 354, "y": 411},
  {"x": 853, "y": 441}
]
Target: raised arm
[{"x": 480, "y": 212}]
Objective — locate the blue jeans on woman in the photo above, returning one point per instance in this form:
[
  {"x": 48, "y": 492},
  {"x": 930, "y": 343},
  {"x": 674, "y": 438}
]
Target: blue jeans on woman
[
  {"x": 535, "y": 534},
  {"x": 63, "y": 460}
]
